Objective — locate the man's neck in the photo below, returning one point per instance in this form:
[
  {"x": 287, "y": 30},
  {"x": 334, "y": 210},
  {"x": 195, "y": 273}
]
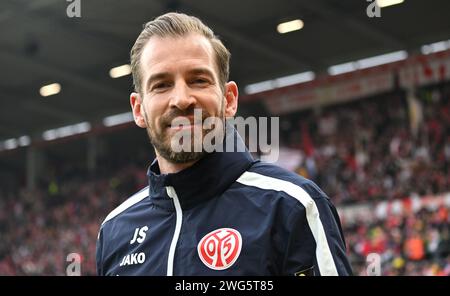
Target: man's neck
[{"x": 167, "y": 167}]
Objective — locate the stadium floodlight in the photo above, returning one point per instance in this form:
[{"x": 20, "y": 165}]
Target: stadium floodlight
[
  {"x": 66, "y": 131},
  {"x": 259, "y": 87},
  {"x": 435, "y": 47},
  {"x": 342, "y": 68},
  {"x": 49, "y": 135},
  {"x": 382, "y": 59},
  {"x": 279, "y": 82},
  {"x": 24, "y": 141},
  {"x": 120, "y": 71},
  {"x": 13, "y": 143},
  {"x": 50, "y": 89},
  {"x": 118, "y": 119},
  {"x": 290, "y": 26},
  {"x": 368, "y": 62},
  {"x": 386, "y": 3},
  {"x": 295, "y": 79},
  {"x": 82, "y": 127},
  {"x": 10, "y": 144}
]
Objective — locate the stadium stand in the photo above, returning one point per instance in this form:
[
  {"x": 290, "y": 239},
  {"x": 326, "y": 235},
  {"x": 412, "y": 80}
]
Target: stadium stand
[{"x": 361, "y": 153}]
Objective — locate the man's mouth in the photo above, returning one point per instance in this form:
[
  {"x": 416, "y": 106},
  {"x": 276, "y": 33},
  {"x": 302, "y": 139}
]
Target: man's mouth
[
  {"x": 183, "y": 123},
  {"x": 181, "y": 127}
]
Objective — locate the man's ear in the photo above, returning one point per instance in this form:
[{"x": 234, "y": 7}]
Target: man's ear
[
  {"x": 138, "y": 109},
  {"x": 231, "y": 98}
]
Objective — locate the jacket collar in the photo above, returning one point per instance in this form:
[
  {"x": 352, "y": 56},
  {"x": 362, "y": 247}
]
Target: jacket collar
[{"x": 207, "y": 178}]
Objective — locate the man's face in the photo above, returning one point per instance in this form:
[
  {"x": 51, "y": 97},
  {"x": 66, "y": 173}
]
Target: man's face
[{"x": 179, "y": 74}]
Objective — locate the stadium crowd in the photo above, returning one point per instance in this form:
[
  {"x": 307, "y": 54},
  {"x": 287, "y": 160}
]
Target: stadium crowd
[
  {"x": 365, "y": 151},
  {"x": 40, "y": 228},
  {"x": 407, "y": 244}
]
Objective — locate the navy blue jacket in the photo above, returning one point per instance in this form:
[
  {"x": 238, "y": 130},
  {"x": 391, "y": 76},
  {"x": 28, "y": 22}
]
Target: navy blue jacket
[{"x": 225, "y": 215}]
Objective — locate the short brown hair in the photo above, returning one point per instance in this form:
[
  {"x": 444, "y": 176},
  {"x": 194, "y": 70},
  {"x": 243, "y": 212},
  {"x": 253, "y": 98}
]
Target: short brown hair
[{"x": 178, "y": 25}]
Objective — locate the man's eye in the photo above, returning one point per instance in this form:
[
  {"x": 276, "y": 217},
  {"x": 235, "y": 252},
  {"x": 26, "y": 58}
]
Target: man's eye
[
  {"x": 200, "y": 81},
  {"x": 160, "y": 86}
]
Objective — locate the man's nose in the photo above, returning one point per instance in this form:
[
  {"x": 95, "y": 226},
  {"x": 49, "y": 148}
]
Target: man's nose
[{"x": 181, "y": 97}]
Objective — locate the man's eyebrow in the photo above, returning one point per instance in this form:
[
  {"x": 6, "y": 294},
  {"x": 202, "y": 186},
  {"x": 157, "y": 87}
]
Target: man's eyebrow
[{"x": 201, "y": 71}]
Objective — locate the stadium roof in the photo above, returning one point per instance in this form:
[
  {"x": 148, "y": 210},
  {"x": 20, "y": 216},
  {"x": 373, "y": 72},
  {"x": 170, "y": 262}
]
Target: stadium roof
[{"x": 40, "y": 44}]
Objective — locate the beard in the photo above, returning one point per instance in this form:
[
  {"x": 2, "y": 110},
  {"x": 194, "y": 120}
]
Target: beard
[{"x": 161, "y": 138}]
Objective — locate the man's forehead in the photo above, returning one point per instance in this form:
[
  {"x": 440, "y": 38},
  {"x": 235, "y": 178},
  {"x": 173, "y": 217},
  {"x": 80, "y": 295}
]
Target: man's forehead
[{"x": 161, "y": 50}]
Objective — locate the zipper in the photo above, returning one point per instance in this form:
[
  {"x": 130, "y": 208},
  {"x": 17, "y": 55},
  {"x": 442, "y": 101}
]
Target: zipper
[{"x": 179, "y": 217}]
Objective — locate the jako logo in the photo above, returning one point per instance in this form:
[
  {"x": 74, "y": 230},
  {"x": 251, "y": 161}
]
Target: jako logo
[
  {"x": 373, "y": 10},
  {"x": 220, "y": 248},
  {"x": 131, "y": 259}
]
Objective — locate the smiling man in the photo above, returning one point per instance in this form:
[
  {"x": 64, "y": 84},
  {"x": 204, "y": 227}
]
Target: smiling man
[
  {"x": 209, "y": 213},
  {"x": 179, "y": 74}
]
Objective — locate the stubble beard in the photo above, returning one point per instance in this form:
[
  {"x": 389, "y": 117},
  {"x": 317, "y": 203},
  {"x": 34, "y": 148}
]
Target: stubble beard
[{"x": 161, "y": 140}]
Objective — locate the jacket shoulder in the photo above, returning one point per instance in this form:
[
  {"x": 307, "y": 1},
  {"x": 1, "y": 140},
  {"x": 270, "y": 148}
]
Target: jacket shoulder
[
  {"x": 127, "y": 204},
  {"x": 279, "y": 178}
]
